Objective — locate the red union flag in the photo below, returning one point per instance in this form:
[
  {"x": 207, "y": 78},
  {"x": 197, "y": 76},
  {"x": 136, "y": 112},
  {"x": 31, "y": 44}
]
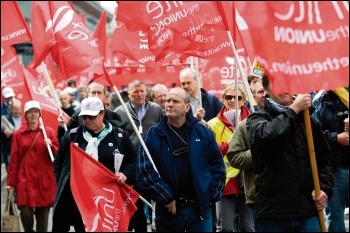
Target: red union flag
[
  {"x": 14, "y": 28},
  {"x": 60, "y": 30},
  {"x": 104, "y": 205},
  {"x": 102, "y": 40},
  {"x": 134, "y": 45},
  {"x": 33, "y": 91},
  {"x": 190, "y": 27},
  {"x": 303, "y": 46},
  {"x": 11, "y": 70}
]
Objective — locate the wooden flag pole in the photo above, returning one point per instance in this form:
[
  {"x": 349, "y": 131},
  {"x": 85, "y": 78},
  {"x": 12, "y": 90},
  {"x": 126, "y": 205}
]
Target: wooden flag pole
[{"x": 314, "y": 171}]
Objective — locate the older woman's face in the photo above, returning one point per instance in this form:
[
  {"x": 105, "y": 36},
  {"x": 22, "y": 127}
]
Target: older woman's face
[
  {"x": 32, "y": 115},
  {"x": 230, "y": 101}
]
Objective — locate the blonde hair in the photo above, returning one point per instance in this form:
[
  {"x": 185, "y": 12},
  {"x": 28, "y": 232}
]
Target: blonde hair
[{"x": 233, "y": 88}]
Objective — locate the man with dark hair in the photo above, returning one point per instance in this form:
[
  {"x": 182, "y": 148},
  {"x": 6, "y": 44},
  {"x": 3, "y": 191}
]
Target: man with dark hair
[{"x": 284, "y": 191}]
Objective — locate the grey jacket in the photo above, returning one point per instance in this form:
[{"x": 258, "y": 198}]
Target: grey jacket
[{"x": 153, "y": 115}]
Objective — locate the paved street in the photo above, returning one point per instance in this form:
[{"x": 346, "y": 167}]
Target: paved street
[{"x": 4, "y": 193}]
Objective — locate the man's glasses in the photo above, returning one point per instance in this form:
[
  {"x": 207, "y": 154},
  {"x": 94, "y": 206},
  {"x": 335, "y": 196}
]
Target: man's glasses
[
  {"x": 91, "y": 118},
  {"x": 181, "y": 151},
  {"x": 230, "y": 97}
]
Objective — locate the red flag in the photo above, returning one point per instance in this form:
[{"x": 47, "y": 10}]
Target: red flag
[
  {"x": 102, "y": 39},
  {"x": 303, "y": 46},
  {"x": 104, "y": 205},
  {"x": 11, "y": 70},
  {"x": 134, "y": 45},
  {"x": 14, "y": 28},
  {"x": 60, "y": 30},
  {"x": 32, "y": 91},
  {"x": 190, "y": 27}
]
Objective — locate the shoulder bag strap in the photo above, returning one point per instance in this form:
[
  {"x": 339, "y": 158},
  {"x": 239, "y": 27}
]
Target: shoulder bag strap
[{"x": 30, "y": 148}]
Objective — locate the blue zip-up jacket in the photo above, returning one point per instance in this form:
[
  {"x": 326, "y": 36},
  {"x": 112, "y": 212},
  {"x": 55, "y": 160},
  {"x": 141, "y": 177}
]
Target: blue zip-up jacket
[{"x": 207, "y": 166}]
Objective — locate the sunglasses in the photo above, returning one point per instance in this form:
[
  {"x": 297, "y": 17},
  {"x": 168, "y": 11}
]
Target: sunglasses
[
  {"x": 91, "y": 118},
  {"x": 230, "y": 97},
  {"x": 181, "y": 151}
]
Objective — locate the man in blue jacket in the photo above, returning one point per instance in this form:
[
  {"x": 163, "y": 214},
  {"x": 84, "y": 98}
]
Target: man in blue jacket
[{"x": 185, "y": 171}]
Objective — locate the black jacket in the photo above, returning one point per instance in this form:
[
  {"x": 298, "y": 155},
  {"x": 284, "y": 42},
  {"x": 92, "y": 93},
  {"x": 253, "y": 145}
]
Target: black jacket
[
  {"x": 283, "y": 177},
  {"x": 330, "y": 112},
  {"x": 111, "y": 142},
  {"x": 75, "y": 121}
]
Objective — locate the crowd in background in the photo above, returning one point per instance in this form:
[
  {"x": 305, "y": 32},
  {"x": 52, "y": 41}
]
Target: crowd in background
[{"x": 222, "y": 167}]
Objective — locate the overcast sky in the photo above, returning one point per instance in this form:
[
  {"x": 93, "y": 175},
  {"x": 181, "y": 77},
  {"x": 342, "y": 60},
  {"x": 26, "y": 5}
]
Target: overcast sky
[{"x": 108, "y": 5}]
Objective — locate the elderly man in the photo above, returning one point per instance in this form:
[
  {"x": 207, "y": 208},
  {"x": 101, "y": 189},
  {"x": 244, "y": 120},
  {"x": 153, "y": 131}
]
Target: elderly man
[
  {"x": 211, "y": 105},
  {"x": 158, "y": 94},
  {"x": 99, "y": 138},
  {"x": 9, "y": 124},
  {"x": 189, "y": 170},
  {"x": 8, "y": 95}
]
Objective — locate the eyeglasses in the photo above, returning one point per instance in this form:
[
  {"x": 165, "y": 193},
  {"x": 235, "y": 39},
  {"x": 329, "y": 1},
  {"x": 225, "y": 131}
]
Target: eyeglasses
[
  {"x": 230, "y": 97},
  {"x": 181, "y": 151},
  {"x": 91, "y": 118}
]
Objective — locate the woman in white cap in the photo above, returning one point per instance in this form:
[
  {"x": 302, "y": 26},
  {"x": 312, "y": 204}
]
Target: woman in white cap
[{"x": 30, "y": 172}]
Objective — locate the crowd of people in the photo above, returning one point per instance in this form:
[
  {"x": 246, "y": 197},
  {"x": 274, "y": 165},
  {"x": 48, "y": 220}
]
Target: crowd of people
[{"x": 207, "y": 164}]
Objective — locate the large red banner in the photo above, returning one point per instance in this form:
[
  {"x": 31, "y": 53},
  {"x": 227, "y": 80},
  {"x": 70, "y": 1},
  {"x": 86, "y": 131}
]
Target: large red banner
[
  {"x": 303, "y": 45},
  {"x": 104, "y": 205}
]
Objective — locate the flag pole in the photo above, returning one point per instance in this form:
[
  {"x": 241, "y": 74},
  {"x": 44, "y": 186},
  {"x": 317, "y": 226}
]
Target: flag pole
[
  {"x": 244, "y": 77},
  {"x": 314, "y": 171},
  {"x": 48, "y": 80},
  {"x": 135, "y": 128},
  {"x": 45, "y": 136}
]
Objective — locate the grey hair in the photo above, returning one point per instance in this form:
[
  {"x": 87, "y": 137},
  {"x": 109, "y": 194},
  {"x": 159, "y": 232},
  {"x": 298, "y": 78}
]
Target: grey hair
[
  {"x": 134, "y": 83},
  {"x": 157, "y": 86},
  {"x": 189, "y": 72}
]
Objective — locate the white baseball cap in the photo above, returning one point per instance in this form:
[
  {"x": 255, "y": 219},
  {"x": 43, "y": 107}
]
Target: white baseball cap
[
  {"x": 31, "y": 104},
  {"x": 7, "y": 92},
  {"x": 91, "y": 106}
]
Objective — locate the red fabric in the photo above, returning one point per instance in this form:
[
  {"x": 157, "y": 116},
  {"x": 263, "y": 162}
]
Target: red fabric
[
  {"x": 11, "y": 71},
  {"x": 32, "y": 91},
  {"x": 58, "y": 29},
  {"x": 102, "y": 39},
  {"x": 134, "y": 45},
  {"x": 34, "y": 180},
  {"x": 303, "y": 46},
  {"x": 187, "y": 28},
  {"x": 104, "y": 205},
  {"x": 14, "y": 28}
]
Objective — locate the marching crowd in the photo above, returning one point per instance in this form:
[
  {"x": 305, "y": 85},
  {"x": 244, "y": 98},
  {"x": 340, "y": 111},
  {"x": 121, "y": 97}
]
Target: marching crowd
[{"x": 207, "y": 164}]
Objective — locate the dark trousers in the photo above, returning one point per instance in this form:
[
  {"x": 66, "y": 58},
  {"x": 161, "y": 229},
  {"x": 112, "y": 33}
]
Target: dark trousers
[
  {"x": 67, "y": 214},
  {"x": 138, "y": 221},
  {"x": 41, "y": 216}
]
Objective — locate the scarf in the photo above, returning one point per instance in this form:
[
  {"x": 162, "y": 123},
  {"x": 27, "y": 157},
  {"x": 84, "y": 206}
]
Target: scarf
[{"x": 93, "y": 142}]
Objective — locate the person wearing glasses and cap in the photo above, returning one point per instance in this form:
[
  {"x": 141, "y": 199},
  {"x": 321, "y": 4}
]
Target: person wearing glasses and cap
[
  {"x": 99, "y": 138},
  {"x": 233, "y": 199},
  {"x": 189, "y": 170},
  {"x": 30, "y": 172}
]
